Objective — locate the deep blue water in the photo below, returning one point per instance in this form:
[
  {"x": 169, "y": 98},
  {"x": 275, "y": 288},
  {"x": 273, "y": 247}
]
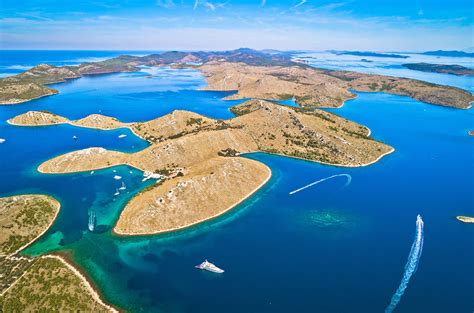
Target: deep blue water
[{"x": 328, "y": 248}]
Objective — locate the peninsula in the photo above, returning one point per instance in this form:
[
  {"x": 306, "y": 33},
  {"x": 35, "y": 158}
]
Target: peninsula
[
  {"x": 465, "y": 219},
  {"x": 249, "y": 72},
  {"x": 38, "y": 283},
  {"x": 453, "y": 69},
  {"x": 200, "y": 159}
]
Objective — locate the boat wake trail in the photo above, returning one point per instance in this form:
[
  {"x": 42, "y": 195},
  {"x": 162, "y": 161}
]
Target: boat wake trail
[
  {"x": 349, "y": 179},
  {"x": 411, "y": 266}
]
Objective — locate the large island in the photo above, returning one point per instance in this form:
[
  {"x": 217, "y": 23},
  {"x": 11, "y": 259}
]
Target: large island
[
  {"x": 199, "y": 158},
  {"x": 251, "y": 73}
]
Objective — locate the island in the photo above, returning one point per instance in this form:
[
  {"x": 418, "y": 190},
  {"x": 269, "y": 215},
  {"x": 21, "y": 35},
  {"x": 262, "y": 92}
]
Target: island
[
  {"x": 38, "y": 283},
  {"x": 45, "y": 118},
  {"x": 452, "y": 53},
  {"x": 370, "y": 54},
  {"x": 23, "y": 219},
  {"x": 200, "y": 159},
  {"x": 465, "y": 219},
  {"x": 453, "y": 69},
  {"x": 247, "y": 72}
]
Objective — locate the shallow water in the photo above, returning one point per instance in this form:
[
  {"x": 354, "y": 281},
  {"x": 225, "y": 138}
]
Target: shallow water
[{"x": 327, "y": 248}]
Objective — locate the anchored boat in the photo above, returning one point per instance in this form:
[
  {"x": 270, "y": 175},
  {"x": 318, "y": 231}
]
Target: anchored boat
[
  {"x": 123, "y": 186},
  {"x": 208, "y": 266}
]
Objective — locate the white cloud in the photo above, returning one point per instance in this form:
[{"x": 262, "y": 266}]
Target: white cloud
[{"x": 165, "y": 3}]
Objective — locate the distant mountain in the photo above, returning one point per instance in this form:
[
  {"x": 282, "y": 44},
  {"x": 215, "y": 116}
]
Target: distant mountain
[
  {"x": 369, "y": 54},
  {"x": 452, "y": 53},
  {"x": 453, "y": 69}
]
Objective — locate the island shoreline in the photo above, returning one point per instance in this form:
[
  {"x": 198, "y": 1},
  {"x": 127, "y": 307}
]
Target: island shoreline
[
  {"x": 170, "y": 230},
  {"x": 97, "y": 295}
]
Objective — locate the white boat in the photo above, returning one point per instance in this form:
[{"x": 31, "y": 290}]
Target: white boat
[
  {"x": 74, "y": 137},
  {"x": 92, "y": 172},
  {"x": 2, "y": 140},
  {"x": 208, "y": 266},
  {"x": 116, "y": 177},
  {"x": 122, "y": 136},
  {"x": 116, "y": 192},
  {"x": 123, "y": 186},
  {"x": 92, "y": 220}
]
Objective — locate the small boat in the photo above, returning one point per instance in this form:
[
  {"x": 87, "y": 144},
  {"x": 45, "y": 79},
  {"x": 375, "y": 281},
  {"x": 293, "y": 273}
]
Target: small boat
[
  {"x": 116, "y": 192},
  {"x": 74, "y": 137},
  {"x": 116, "y": 177},
  {"x": 2, "y": 140},
  {"x": 208, "y": 266},
  {"x": 122, "y": 136},
  {"x": 92, "y": 221},
  {"x": 123, "y": 186}
]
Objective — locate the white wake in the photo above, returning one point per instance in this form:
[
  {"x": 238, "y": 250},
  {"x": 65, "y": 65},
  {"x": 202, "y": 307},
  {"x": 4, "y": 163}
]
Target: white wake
[
  {"x": 349, "y": 179},
  {"x": 411, "y": 266}
]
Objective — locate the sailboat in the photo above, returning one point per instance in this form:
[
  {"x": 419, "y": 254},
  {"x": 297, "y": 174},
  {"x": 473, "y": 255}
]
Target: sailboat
[
  {"x": 123, "y": 186},
  {"x": 92, "y": 221}
]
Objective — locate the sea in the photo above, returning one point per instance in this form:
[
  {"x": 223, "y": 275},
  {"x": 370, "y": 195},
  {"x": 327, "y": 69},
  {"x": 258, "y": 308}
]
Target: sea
[{"x": 340, "y": 245}]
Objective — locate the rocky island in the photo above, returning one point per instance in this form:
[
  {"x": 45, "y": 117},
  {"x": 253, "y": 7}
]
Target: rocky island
[
  {"x": 38, "y": 283},
  {"x": 453, "y": 69},
  {"x": 465, "y": 219},
  {"x": 251, "y": 73},
  {"x": 45, "y": 118},
  {"x": 200, "y": 158}
]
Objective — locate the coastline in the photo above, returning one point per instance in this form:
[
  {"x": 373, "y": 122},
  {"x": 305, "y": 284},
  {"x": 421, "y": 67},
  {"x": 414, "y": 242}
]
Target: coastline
[
  {"x": 126, "y": 125},
  {"x": 26, "y": 100},
  {"x": 202, "y": 220},
  {"x": 85, "y": 171},
  {"x": 58, "y": 204},
  {"x": 95, "y": 292},
  {"x": 325, "y": 163}
]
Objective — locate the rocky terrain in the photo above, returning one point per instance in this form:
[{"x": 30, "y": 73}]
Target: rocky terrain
[
  {"x": 199, "y": 157},
  {"x": 251, "y": 73},
  {"x": 321, "y": 88},
  {"x": 43, "y": 118}
]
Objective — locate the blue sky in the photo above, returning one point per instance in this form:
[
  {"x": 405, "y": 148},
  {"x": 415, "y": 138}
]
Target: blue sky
[{"x": 379, "y": 25}]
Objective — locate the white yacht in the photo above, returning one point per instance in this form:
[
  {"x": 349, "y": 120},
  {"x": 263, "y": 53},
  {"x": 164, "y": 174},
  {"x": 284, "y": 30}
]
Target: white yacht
[
  {"x": 116, "y": 192},
  {"x": 208, "y": 266},
  {"x": 122, "y": 136},
  {"x": 116, "y": 177}
]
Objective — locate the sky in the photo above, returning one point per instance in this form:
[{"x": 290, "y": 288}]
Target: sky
[{"x": 375, "y": 25}]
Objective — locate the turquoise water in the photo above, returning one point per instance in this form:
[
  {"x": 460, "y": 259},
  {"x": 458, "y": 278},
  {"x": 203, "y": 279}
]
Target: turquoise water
[{"x": 328, "y": 248}]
